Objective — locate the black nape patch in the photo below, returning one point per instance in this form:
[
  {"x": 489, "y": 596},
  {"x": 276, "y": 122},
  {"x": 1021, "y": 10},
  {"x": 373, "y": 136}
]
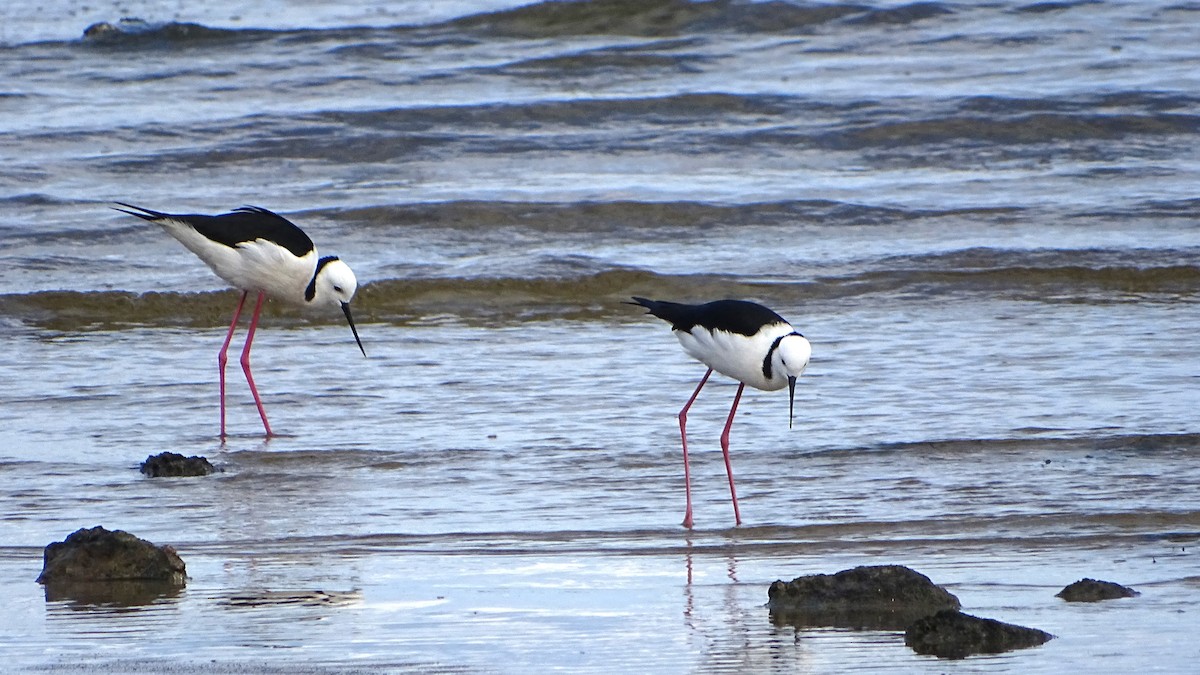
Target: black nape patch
[
  {"x": 767, "y": 369},
  {"x": 311, "y": 291}
]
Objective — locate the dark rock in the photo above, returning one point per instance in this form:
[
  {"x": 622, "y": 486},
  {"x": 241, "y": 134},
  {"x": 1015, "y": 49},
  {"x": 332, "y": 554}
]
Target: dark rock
[
  {"x": 886, "y": 597},
  {"x": 950, "y": 634},
  {"x": 133, "y": 31},
  {"x": 175, "y": 464},
  {"x": 100, "y": 31},
  {"x": 97, "y": 554},
  {"x": 1091, "y": 590}
]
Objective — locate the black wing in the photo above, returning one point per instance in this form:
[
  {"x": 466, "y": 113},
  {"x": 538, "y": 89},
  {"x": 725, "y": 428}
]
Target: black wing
[
  {"x": 247, "y": 223},
  {"x": 733, "y": 316}
]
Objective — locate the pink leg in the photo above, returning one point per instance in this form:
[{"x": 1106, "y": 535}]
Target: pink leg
[
  {"x": 246, "y": 362},
  {"x": 687, "y": 477},
  {"x": 737, "y": 516},
  {"x": 223, "y": 357}
]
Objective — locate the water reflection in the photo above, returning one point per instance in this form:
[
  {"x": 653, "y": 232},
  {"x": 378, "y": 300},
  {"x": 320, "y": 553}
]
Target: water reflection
[
  {"x": 727, "y": 617},
  {"x": 111, "y": 595},
  {"x": 303, "y": 598}
]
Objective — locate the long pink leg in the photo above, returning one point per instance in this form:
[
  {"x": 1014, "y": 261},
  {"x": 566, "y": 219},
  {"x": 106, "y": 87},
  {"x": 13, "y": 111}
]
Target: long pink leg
[
  {"x": 246, "y": 362},
  {"x": 223, "y": 357},
  {"x": 725, "y": 449},
  {"x": 687, "y": 476}
]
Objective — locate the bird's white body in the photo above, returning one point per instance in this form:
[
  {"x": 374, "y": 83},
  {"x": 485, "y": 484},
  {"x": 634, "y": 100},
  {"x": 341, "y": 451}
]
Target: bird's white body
[
  {"x": 257, "y": 265},
  {"x": 741, "y": 357}
]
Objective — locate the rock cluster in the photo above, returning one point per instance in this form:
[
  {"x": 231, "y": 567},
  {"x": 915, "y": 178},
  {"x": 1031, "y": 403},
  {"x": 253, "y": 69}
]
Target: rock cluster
[
  {"x": 175, "y": 464},
  {"x": 894, "y": 597}
]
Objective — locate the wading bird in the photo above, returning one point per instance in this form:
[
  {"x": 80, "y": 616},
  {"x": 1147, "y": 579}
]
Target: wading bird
[
  {"x": 739, "y": 339},
  {"x": 257, "y": 251}
]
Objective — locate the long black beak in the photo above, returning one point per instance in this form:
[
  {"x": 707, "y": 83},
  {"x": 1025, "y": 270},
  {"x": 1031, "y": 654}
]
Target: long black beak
[
  {"x": 791, "y": 399},
  {"x": 346, "y": 311}
]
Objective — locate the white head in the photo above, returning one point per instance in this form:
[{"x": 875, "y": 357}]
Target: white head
[
  {"x": 334, "y": 284},
  {"x": 791, "y": 357}
]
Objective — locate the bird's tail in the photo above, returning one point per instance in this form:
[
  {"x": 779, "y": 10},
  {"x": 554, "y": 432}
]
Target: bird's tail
[
  {"x": 650, "y": 305},
  {"x": 144, "y": 214},
  {"x": 673, "y": 312}
]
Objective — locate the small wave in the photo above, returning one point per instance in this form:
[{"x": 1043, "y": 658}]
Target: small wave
[
  {"x": 505, "y": 300},
  {"x": 546, "y": 19},
  {"x": 623, "y": 216},
  {"x": 1099, "y": 442},
  {"x": 600, "y": 295},
  {"x": 32, "y": 199},
  {"x": 572, "y": 112},
  {"x": 653, "y": 18},
  {"x": 904, "y": 14},
  {"x": 1110, "y": 103},
  {"x": 405, "y": 133},
  {"x": 486, "y": 300},
  {"x": 683, "y": 55},
  {"x": 592, "y": 17},
  {"x": 1063, "y": 284},
  {"x": 104, "y": 310},
  {"x": 1047, "y": 7},
  {"x": 1033, "y": 128},
  {"x": 1157, "y": 210},
  {"x": 132, "y": 31},
  {"x": 675, "y": 122}
]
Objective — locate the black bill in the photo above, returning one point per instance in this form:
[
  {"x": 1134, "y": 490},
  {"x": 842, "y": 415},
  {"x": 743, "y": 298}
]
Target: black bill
[
  {"x": 346, "y": 311},
  {"x": 791, "y": 397}
]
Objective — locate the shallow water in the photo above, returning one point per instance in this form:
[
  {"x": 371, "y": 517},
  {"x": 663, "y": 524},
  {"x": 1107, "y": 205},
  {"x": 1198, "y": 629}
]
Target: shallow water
[{"x": 982, "y": 216}]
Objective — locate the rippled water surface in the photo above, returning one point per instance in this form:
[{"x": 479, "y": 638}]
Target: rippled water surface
[{"x": 982, "y": 215}]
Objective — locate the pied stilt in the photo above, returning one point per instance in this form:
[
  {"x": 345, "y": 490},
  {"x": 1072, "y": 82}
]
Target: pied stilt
[
  {"x": 739, "y": 339},
  {"x": 257, "y": 251}
]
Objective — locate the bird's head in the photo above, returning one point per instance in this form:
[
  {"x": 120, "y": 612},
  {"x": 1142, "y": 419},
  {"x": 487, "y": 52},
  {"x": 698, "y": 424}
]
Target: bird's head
[
  {"x": 791, "y": 357},
  {"x": 335, "y": 284}
]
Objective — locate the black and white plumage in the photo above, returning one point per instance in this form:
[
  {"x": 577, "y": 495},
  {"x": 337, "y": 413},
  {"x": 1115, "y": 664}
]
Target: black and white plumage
[
  {"x": 258, "y": 251},
  {"x": 742, "y": 340}
]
